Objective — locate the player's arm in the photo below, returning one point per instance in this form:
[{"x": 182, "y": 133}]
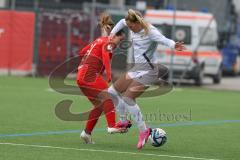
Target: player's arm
[
  {"x": 84, "y": 50},
  {"x": 120, "y": 25},
  {"x": 156, "y": 36}
]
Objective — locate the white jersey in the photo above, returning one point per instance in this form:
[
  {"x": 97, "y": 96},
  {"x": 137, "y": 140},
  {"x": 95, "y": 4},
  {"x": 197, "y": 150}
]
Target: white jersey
[{"x": 144, "y": 46}]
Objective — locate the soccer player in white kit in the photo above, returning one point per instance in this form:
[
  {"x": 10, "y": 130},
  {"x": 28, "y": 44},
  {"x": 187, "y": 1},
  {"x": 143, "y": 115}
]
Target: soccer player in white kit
[{"x": 145, "y": 38}]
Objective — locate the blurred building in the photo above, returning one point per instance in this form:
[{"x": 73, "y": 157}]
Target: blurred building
[
  {"x": 76, "y": 4},
  {"x": 62, "y": 27},
  {"x": 237, "y": 5},
  {"x": 155, "y": 4}
]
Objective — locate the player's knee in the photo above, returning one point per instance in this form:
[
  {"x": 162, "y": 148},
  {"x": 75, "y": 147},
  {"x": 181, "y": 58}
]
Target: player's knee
[
  {"x": 103, "y": 95},
  {"x": 113, "y": 91}
]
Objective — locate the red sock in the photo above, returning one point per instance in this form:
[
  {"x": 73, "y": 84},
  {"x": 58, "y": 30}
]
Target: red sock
[
  {"x": 92, "y": 119},
  {"x": 109, "y": 111},
  {"x": 108, "y": 108}
]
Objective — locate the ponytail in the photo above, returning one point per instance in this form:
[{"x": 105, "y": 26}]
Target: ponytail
[
  {"x": 106, "y": 23},
  {"x": 135, "y": 16}
]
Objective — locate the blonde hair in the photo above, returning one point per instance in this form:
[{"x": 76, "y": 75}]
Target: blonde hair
[
  {"x": 134, "y": 17},
  {"x": 106, "y": 23}
]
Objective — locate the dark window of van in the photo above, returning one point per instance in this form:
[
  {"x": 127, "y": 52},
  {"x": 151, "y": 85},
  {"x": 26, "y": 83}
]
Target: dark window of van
[{"x": 182, "y": 33}]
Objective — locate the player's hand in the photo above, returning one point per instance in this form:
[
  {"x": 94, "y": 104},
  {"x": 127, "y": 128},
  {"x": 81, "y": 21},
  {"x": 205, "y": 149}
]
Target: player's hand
[{"x": 179, "y": 46}]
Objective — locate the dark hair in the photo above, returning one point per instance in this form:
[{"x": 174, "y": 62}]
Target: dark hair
[{"x": 120, "y": 33}]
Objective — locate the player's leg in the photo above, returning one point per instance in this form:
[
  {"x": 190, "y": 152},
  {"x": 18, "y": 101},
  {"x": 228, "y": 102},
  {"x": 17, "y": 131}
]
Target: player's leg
[
  {"x": 129, "y": 99},
  {"x": 119, "y": 87},
  {"x": 134, "y": 90},
  {"x": 90, "y": 92},
  {"x": 103, "y": 103},
  {"x": 122, "y": 83},
  {"x": 93, "y": 116},
  {"x": 142, "y": 78},
  {"x": 109, "y": 110}
]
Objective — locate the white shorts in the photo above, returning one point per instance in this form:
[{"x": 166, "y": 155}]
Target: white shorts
[{"x": 144, "y": 74}]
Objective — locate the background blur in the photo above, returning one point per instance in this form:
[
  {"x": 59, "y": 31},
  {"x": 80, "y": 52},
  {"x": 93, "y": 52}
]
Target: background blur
[
  {"x": 38, "y": 35},
  {"x": 201, "y": 122}
]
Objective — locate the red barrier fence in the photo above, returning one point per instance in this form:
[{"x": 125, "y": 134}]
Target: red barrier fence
[
  {"x": 62, "y": 35},
  {"x": 16, "y": 42}
]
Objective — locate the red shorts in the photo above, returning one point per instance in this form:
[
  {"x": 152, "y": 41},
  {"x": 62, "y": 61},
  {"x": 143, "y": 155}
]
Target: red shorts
[{"x": 92, "y": 84}]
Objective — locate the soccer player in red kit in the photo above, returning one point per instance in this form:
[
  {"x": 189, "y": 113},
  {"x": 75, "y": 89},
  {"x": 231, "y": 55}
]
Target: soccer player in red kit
[{"x": 96, "y": 60}]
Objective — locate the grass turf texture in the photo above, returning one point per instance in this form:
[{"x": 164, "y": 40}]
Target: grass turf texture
[{"x": 27, "y": 106}]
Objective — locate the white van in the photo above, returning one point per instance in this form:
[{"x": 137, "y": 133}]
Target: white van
[{"x": 202, "y": 58}]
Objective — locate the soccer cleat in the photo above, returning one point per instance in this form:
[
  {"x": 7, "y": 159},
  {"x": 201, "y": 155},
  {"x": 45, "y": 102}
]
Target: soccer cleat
[
  {"x": 115, "y": 129},
  {"x": 125, "y": 124},
  {"x": 120, "y": 127},
  {"x": 87, "y": 138},
  {"x": 143, "y": 138}
]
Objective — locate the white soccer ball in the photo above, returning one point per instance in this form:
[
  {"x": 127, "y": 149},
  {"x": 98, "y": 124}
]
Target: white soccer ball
[{"x": 158, "y": 137}]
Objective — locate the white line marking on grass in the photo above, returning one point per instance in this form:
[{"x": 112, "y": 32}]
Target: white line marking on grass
[
  {"x": 105, "y": 151},
  {"x": 191, "y": 123}
]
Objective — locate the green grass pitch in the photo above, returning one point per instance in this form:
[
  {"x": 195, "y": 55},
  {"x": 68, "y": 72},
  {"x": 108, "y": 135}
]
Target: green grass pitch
[{"x": 200, "y": 124}]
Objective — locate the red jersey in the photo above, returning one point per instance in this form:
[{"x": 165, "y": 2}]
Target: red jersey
[{"x": 96, "y": 56}]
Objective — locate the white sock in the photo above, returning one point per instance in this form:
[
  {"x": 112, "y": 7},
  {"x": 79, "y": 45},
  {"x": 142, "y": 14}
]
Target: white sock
[
  {"x": 118, "y": 102},
  {"x": 135, "y": 112}
]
